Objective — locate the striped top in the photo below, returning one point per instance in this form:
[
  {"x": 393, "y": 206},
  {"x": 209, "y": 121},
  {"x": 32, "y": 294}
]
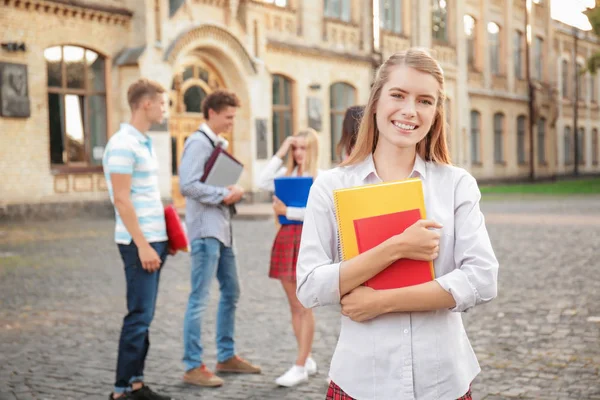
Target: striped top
[{"x": 130, "y": 152}]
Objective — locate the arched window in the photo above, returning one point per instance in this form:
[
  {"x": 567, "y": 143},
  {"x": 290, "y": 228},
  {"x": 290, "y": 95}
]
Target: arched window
[
  {"x": 581, "y": 146},
  {"x": 541, "y": 141},
  {"x": 499, "y": 138},
  {"x": 475, "y": 137},
  {"x": 341, "y": 96},
  {"x": 470, "y": 26},
  {"x": 568, "y": 152},
  {"x": 193, "y": 97},
  {"x": 283, "y": 111},
  {"x": 439, "y": 20},
  {"x": 76, "y": 105},
  {"x": 565, "y": 78},
  {"x": 521, "y": 157},
  {"x": 494, "y": 47},
  {"x": 595, "y": 146}
]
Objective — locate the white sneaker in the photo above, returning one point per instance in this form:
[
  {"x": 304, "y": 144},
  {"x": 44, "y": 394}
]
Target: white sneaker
[
  {"x": 310, "y": 366},
  {"x": 292, "y": 377}
]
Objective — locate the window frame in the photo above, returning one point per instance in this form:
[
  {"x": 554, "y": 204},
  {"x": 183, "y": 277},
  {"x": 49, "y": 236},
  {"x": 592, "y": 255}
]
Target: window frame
[
  {"x": 397, "y": 16},
  {"x": 522, "y": 140},
  {"x": 279, "y": 110},
  {"x": 475, "y": 116},
  {"x": 87, "y": 92},
  {"x": 541, "y": 141},
  {"x": 329, "y": 12},
  {"x": 519, "y": 70},
  {"x": 444, "y": 38},
  {"x": 498, "y": 120},
  {"x": 495, "y": 65},
  {"x": 335, "y": 135}
]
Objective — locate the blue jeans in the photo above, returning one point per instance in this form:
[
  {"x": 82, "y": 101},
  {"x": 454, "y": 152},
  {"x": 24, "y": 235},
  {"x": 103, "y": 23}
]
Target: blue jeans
[
  {"x": 142, "y": 290},
  {"x": 209, "y": 258}
]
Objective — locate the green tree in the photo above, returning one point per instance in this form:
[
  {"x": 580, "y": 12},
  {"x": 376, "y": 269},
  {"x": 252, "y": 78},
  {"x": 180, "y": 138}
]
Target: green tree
[{"x": 593, "y": 14}]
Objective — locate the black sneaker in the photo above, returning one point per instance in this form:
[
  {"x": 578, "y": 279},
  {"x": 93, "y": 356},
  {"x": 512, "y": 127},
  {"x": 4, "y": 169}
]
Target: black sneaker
[{"x": 145, "y": 393}]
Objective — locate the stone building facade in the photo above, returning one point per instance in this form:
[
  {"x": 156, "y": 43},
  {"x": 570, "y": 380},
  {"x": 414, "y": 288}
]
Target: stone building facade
[{"x": 293, "y": 63}]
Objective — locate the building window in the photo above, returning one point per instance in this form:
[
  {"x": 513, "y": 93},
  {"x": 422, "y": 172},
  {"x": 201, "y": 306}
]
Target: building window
[
  {"x": 193, "y": 98},
  {"x": 595, "y": 146},
  {"x": 565, "y": 78},
  {"x": 494, "y": 46},
  {"x": 518, "y": 57},
  {"x": 76, "y": 105},
  {"x": 580, "y": 85},
  {"x": 521, "y": 158},
  {"x": 541, "y": 141},
  {"x": 581, "y": 146},
  {"x": 539, "y": 58},
  {"x": 341, "y": 96},
  {"x": 567, "y": 146},
  {"x": 338, "y": 9},
  {"x": 475, "y": 137},
  {"x": 439, "y": 15},
  {"x": 278, "y": 3},
  {"x": 470, "y": 32},
  {"x": 283, "y": 111},
  {"x": 390, "y": 15},
  {"x": 499, "y": 138},
  {"x": 593, "y": 88}
]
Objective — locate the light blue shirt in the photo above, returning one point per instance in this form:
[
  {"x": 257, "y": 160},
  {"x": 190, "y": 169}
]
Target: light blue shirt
[
  {"x": 410, "y": 355},
  {"x": 130, "y": 152}
]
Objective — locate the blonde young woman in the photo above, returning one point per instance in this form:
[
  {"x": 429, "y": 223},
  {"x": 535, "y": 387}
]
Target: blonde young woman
[
  {"x": 303, "y": 149},
  {"x": 406, "y": 343}
]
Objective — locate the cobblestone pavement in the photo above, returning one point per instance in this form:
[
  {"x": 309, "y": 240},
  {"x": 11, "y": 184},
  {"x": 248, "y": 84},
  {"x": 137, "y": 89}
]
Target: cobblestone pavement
[{"x": 62, "y": 301}]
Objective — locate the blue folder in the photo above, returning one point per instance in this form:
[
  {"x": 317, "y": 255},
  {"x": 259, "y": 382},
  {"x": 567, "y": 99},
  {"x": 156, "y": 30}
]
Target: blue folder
[{"x": 293, "y": 192}]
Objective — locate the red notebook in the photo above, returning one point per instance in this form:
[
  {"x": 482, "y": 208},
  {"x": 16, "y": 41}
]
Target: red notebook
[
  {"x": 404, "y": 272},
  {"x": 175, "y": 230}
]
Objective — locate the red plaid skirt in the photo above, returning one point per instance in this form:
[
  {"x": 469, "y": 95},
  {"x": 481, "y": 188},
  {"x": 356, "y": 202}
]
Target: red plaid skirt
[
  {"x": 336, "y": 393},
  {"x": 284, "y": 253}
]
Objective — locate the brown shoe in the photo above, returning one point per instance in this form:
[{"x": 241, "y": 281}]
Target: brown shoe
[
  {"x": 202, "y": 376},
  {"x": 238, "y": 365}
]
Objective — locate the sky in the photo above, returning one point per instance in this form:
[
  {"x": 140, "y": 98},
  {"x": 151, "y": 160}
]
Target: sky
[{"x": 569, "y": 12}]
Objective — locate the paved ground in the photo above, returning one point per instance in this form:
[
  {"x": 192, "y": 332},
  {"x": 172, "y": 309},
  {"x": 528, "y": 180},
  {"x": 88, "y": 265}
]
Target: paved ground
[{"x": 62, "y": 300}]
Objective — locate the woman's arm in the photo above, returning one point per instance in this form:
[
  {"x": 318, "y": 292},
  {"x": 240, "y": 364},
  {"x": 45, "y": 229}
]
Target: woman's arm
[{"x": 272, "y": 170}]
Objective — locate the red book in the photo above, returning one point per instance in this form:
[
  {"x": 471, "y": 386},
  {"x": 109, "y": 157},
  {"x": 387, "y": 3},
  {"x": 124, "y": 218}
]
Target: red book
[
  {"x": 372, "y": 231},
  {"x": 178, "y": 239}
]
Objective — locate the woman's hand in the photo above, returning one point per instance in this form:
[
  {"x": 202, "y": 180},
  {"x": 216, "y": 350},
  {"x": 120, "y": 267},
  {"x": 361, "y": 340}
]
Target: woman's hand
[
  {"x": 418, "y": 241},
  {"x": 362, "y": 304},
  {"x": 285, "y": 146},
  {"x": 278, "y": 206}
]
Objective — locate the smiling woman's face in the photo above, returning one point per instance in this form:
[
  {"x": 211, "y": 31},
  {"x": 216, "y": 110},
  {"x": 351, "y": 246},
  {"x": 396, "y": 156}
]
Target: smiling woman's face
[{"x": 406, "y": 107}]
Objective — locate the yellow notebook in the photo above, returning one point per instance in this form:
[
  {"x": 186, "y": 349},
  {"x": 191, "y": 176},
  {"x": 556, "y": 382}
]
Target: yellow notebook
[{"x": 367, "y": 215}]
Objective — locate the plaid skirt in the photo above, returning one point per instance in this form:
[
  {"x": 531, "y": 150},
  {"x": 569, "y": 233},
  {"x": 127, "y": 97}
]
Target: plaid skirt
[
  {"x": 284, "y": 253},
  {"x": 336, "y": 393}
]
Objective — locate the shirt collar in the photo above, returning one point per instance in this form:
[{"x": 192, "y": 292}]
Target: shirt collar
[
  {"x": 367, "y": 167},
  {"x": 216, "y": 139},
  {"x": 132, "y": 130},
  {"x": 209, "y": 132}
]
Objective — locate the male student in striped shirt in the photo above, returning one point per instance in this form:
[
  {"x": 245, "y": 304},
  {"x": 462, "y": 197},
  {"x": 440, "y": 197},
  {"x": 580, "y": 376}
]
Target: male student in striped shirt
[{"x": 130, "y": 168}]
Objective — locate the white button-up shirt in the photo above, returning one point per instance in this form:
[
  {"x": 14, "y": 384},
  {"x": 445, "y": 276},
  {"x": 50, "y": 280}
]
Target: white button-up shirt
[{"x": 416, "y": 355}]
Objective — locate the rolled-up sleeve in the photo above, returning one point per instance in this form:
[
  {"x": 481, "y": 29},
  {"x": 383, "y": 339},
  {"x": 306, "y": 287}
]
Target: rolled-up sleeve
[
  {"x": 191, "y": 169},
  {"x": 475, "y": 279},
  {"x": 317, "y": 273}
]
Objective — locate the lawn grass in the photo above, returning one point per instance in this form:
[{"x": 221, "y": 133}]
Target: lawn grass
[{"x": 565, "y": 187}]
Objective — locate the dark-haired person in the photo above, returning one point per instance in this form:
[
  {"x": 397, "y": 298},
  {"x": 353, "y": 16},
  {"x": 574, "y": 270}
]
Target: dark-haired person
[
  {"x": 131, "y": 172},
  {"x": 208, "y": 221},
  {"x": 349, "y": 131}
]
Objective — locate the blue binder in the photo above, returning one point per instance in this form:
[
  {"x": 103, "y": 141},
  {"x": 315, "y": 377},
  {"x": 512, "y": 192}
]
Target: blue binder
[{"x": 293, "y": 192}]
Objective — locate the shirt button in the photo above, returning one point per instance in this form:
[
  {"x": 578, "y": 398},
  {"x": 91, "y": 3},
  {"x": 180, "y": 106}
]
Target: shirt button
[{"x": 406, "y": 331}]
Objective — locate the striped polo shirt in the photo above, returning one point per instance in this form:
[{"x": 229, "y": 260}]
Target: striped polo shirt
[{"x": 130, "y": 152}]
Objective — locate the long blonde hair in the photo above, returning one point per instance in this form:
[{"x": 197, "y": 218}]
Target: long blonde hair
[
  {"x": 433, "y": 146},
  {"x": 311, "y": 163}
]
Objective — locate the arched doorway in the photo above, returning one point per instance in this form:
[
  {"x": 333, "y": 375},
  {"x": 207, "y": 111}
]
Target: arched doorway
[{"x": 192, "y": 82}]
